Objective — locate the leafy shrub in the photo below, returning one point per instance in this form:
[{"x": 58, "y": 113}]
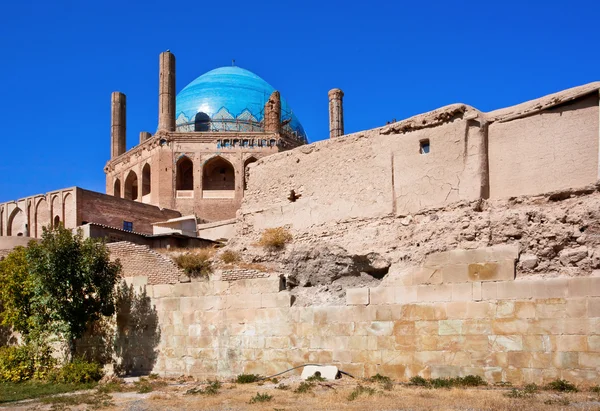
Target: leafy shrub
[
  {"x": 418, "y": 381},
  {"x": 527, "y": 392},
  {"x": 304, "y": 387},
  {"x": 76, "y": 372},
  {"x": 261, "y": 398},
  {"x": 595, "y": 389},
  {"x": 562, "y": 386},
  {"x": 386, "y": 382},
  {"x": 470, "y": 381},
  {"x": 275, "y": 238},
  {"x": 212, "y": 388},
  {"x": 316, "y": 377},
  {"x": 358, "y": 391},
  {"x": 230, "y": 257},
  {"x": 247, "y": 378},
  {"x": 22, "y": 363},
  {"x": 195, "y": 264}
]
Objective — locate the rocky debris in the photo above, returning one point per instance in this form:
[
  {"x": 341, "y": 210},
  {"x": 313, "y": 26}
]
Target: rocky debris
[
  {"x": 321, "y": 264},
  {"x": 528, "y": 261},
  {"x": 573, "y": 256}
]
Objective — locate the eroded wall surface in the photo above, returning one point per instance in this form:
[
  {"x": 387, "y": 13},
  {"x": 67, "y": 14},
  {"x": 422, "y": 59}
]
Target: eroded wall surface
[
  {"x": 483, "y": 323},
  {"x": 551, "y": 150}
]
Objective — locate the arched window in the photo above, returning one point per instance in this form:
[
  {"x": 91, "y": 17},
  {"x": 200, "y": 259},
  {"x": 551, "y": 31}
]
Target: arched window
[
  {"x": 16, "y": 223},
  {"x": 117, "y": 189},
  {"x": 218, "y": 174},
  {"x": 56, "y": 221},
  {"x": 201, "y": 122},
  {"x": 185, "y": 174},
  {"x": 146, "y": 184},
  {"x": 246, "y": 164},
  {"x": 131, "y": 186}
]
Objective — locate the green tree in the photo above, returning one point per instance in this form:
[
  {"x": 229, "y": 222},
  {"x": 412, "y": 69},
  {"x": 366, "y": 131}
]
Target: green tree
[
  {"x": 73, "y": 282},
  {"x": 16, "y": 292}
]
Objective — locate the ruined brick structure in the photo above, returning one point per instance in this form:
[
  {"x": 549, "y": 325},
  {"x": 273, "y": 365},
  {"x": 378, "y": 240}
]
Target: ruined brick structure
[{"x": 200, "y": 166}]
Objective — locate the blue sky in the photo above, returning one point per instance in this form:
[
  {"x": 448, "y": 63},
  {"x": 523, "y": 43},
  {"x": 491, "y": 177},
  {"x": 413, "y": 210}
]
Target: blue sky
[{"x": 60, "y": 60}]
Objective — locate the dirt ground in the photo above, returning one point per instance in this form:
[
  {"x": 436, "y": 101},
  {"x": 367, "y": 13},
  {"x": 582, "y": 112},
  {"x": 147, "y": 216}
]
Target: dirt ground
[{"x": 334, "y": 395}]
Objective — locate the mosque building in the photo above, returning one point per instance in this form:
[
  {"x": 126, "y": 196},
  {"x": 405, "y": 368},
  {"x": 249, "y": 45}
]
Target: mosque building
[{"x": 192, "y": 170}]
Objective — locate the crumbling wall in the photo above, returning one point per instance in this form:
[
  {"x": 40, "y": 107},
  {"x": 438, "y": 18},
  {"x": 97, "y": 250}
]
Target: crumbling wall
[
  {"x": 477, "y": 320},
  {"x": 369, "y": 174},
  {"x": 549, "y": 150}
]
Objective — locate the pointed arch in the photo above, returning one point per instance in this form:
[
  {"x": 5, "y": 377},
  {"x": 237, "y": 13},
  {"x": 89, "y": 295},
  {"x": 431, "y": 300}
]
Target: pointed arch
[
  {"x": 248, "y": 161},
  {"x": 218, "y": 174},
  {"x": 117, "y": 188},
  {"x": 69, "y": 212},
  {"x": 1, "y": 221},
  {"x": 16, "y": 223},
  {"x": 146, "y": 180},
  {"x": 185, "y": 174},
  {"x": 131, "y": 186},
  {"x": 42, "y": 217},
  {"x": 55, "y": 210}
]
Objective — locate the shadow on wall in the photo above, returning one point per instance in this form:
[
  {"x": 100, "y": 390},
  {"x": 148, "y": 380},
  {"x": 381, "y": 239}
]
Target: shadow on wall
[{"x": 137, "y": 333}]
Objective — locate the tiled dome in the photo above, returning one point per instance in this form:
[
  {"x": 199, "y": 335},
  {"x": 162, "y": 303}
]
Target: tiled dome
[{"x": 229, "y": 99}]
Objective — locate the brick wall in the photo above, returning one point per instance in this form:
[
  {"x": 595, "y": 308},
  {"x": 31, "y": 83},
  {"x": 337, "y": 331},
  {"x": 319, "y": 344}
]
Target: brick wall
[
  {"x": 242, "y": 274},
  {"x": 112, "y": 211},
  {"x": 141, "y": 261}
]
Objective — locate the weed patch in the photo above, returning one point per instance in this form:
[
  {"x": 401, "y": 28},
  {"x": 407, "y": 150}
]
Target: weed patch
[
  {"x": 304, "y": 387},
  {"x": 275, "y": 238},
  {"x": 562, "y": 386},
  {"x": 360, "y": 390},
  {"x": 195, "y": 264},
  {"x": 260, "y": 398},
  {"x": 10, "y": 392},
  {"x": 461, "y": 382},
  {"x": 247, "y": 378},
  {"x": 212, "y": 388}
]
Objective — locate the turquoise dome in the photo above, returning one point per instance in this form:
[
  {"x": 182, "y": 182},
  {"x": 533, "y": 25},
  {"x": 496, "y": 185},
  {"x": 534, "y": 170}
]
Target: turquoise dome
[{"x": 229, "y": 99}]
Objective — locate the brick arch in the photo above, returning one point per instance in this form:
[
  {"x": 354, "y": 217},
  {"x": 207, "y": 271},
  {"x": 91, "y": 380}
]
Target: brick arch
[
  {"x": 16, "y": 223},
  {"x": 131, "y": 186},
  {"x": 184, "y": 177},
  {"x": 247, "y": 162},
  {"x": 42, "y": 217},
  {"x": 69, "y": 212},
  {"x": 218, "y": 174},
  {"x": 117, "y": 188},
  {"x": 55, "y": 210},
  {"x": 146, "y": 179}
]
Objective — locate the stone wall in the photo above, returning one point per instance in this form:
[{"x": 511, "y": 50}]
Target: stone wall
[
  {"x": 439, "y": 158},
  {"x": 483, "y": 323}
]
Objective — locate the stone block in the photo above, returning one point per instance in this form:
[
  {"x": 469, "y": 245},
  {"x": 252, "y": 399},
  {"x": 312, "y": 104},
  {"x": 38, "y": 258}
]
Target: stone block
[
  {"x": 433, "y": 293},
  {"x": 162, "y": 290},
  {"x": 571, "y": 343},
  {"x": 505, "y": 342},
  {"x": 427, "y": 275},
  {"x": 489, "y": 291},
  {"x": 343, "y": 356},
  {"x": 505, "y": 309},
  {"x": 543, "y": 310},
  {"x": 455, "y": 273},
  {"x": 492, "y": 271},
  {"x": 462, "y": 292},
  {"x": 357, "y": 296},
  {"x": 524, "y": 309},
  {"x": 593, "y": 307},
  {"x": 457, "y": 309},
  {"x": 593, "y": 342},
  {"x": 565, "y": 359},
  {"x": 584, "y": 287},
  {"x": 509, "y": 326},
  {"x": 382, "y": 295},
  {"x": 513, "y": 290},
  {"x": 450, "y": 327},
  {"x": 477, "y": 328},
  {"x": 406, "y": 294},
  {"x": 576, "y": 307},
  {"x": 477, "y": 294}
]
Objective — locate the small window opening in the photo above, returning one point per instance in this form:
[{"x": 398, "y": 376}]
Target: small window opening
[
  {"x": 127, "y": 226},
  {"x": 424, "y": 146}
]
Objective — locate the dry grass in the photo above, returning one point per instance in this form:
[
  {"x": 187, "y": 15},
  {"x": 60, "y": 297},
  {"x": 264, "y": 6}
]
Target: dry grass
[
  {"x": 230, "y": 257},
  {"x": 338, "y": 395},
  {"x": 196, "y": 263},
  {"x": 275, "y": 238}
]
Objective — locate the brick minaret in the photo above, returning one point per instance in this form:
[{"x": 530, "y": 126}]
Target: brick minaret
[
  {"x": 273, "y": 113},
  {"x": 118, "y": 124},
  {"x": 144, "y": 135},
  {"x": 166, "y": 92},
  {"x": 336, "y": 113}
]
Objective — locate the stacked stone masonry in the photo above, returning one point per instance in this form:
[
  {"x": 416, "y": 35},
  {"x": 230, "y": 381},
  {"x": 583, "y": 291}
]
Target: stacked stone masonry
[
  {"x": 517, "y": 331},
  {"x": 142, "y": 262},
  {"x": 242, "y": 274}
]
